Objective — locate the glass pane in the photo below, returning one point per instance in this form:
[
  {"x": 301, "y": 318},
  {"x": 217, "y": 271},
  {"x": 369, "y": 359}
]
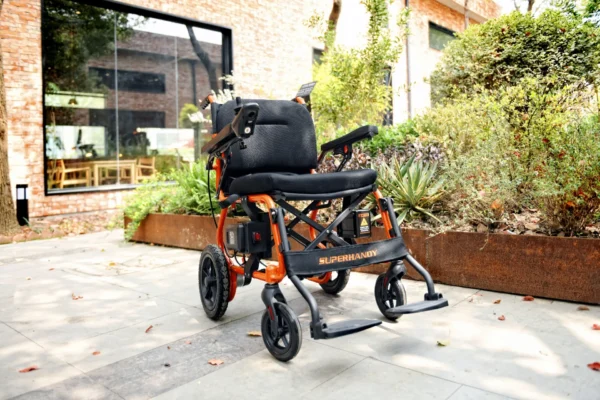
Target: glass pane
[
  {"x": 439, "y": 37},
  {"x": 122, "y": 94}
]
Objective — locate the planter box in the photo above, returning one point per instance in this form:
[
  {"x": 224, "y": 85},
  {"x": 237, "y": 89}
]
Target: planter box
[{"x": 551, "y": 267}]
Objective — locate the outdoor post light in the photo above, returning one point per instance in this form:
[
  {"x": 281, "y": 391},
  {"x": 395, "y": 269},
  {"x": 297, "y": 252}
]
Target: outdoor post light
[{"x": 22, "y": 205}]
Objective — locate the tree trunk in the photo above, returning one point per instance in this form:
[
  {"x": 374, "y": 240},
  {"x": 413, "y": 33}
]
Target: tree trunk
[
  {"x": 205, "y": 58},
  {"x": 530, "y": 5},
  {"x": 8, "y": 219},
  {"x": 334, "y": 16},
  {"x": 466, "y": 14}
]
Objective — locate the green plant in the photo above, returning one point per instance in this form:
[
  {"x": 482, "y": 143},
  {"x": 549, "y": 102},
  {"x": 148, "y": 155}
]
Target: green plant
[
  {"x": 391, "y": 137},
  {"x": 556, "y": 47},
  {"x": 414, "y": 187},
  {"x": 352, "y": 89},
  {"x": 181, "y": 191}
]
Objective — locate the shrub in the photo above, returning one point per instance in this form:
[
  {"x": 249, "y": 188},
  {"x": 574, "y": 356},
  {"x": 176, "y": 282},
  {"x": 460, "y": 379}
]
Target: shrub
[
  {"x": 182, "y": 191},
  {"x": 413, "y": 186},
  {"x": 391, "y": 137},
  {"x": 556, "y": 47},
  {"x": 352, "y": 89}
]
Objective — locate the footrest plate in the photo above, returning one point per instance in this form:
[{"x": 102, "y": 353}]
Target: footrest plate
[
  {"x": 348, "y": 327},
  {"x": 418, "y": 307}
]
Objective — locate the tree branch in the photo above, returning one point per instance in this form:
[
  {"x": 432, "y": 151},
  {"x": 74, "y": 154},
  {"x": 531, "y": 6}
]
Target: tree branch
[
  {"x": 205, "y": 59},
  {"x": 334, "y": 16}
]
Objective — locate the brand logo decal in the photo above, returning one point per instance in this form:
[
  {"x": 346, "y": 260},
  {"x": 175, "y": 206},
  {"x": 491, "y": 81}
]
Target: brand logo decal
[{"x": 347, "y": 257}]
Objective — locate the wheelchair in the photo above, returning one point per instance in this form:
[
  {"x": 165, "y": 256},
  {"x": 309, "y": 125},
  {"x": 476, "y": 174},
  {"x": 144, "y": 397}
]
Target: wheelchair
[{"x": 264, "y": 153}]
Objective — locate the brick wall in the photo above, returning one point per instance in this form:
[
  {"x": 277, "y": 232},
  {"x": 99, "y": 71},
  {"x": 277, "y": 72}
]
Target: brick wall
[{"x": 272, "y": 57}]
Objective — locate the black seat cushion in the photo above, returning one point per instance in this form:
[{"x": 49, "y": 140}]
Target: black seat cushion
[{"x": 269, "y": 182}]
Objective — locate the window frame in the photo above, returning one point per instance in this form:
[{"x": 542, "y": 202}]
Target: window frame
[
  {"x": 226, "y": 56},
  {"x": 433, "y": 25}
]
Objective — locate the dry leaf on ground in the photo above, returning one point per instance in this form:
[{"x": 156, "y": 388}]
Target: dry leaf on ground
[
  {"x": 76, "y": 297},
  {"x": 215, "y": 361},
  {"x": 583, "y": 308},
  {"x": 112, "y": 264},
  {"x": 148, "y": 329},
  {"x": 595, "y": 366},
  {"x": 498, "y": 301},
  {"x": 188, "y": 342},
  {"x": 29, "y": 369},
  {"x": 168, "y": 347},
  {"x": 443, "y": 343},
  {"x": 528, "y": 298},
  {"x": 28, "y": 278},
  {"x": 596, "y": 327},
  {"x": 254, "y": 333},
  {"x": 51, "y": 269},
  {"x": 96, "y": 353},
  {"x": 501, "y": 318}
]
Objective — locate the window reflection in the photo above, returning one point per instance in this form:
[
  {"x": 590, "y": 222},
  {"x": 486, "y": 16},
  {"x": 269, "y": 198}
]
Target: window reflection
[{"x": 121, "y": 94}]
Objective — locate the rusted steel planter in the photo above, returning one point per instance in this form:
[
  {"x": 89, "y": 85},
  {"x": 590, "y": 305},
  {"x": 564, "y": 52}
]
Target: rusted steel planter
[{"x": 551, "y": 267}]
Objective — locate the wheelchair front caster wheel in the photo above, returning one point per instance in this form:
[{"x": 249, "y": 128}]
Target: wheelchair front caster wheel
[
  {"x": 284, "y": 345},
  {"x": 213, "y": 281},
  {"x": 388, "y": 295},
  {"x": 337, "y": 283}
]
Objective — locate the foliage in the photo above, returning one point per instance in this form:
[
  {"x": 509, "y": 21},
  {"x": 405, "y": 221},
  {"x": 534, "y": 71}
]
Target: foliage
[
  {"x": 413, "y": 186},
  {"x": 522, "y": 146},
  {"x": 182, "y": 191},
  {"x": 186, "y": 116},
  {"x": 556, "y": 47},
  {"x": 391, "y": 137},
  {"x": 352, "y": 89}
]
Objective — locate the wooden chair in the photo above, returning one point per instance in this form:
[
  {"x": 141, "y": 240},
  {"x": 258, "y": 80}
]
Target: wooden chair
[
  {"x": 59, "y": 176},
  {"x": 146, "y": 168}
]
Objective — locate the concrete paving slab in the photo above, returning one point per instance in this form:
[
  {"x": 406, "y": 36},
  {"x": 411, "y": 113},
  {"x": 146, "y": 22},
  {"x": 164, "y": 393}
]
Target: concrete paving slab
[
  {"x": 317, "y": 365},
  {"x": 382, "y": 380},
  {"x": 469, "y": 393}
]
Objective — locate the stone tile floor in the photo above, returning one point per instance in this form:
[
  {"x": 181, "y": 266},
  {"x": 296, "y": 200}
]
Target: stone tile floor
[{"x": 540, "y": 351}]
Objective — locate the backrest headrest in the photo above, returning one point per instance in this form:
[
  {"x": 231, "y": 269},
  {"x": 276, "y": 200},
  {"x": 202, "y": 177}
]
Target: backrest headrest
[{"x": 283, "y": 141}]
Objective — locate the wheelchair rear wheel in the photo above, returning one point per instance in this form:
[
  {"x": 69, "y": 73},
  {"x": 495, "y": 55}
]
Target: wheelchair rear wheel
[
  {"x": 213, "y": 282},
  {"x": 389, "y": 295},
  {"x": 285, "y": 345},
  {"x": 337, "y": 283}
]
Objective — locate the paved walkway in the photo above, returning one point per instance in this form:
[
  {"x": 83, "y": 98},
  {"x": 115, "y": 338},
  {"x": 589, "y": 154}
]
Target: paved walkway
[{"x": 540, "y": 350}]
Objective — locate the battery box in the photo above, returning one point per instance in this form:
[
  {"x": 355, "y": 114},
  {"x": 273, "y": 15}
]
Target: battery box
[
  {"x": 356, "y": 225},
  {"x": 249, "y": 237}
]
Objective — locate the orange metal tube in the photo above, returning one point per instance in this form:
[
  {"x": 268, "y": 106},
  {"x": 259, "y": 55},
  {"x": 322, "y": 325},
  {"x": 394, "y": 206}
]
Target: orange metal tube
[{"x": 384, "y": 216}]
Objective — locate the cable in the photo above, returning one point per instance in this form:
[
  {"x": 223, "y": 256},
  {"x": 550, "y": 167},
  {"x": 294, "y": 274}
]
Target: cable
[{"x": 212, "y": 209}]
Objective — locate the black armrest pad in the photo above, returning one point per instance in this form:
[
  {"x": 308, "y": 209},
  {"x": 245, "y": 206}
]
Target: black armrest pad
[{"x": 364, "y": 132}]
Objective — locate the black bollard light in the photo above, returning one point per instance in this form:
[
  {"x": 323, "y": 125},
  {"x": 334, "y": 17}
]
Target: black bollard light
[{"x": 23, "y": 204}]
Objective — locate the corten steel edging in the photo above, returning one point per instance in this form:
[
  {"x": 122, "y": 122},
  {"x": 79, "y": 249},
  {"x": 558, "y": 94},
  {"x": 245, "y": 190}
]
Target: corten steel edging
[{"x": 551, "y": 267}]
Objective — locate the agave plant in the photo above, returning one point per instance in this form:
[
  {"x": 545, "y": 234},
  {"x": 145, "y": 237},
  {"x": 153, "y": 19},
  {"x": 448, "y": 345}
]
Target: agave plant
[{"x": 413, "y": 186}]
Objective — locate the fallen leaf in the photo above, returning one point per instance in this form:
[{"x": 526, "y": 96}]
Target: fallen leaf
[
  {"x": 254, "y": 334},
  {"x": 443, "y": 343},
  {"x": 188, "y": 342},
  {"x": 76, "y": 297},
  {"x": 151, "y": 244},
  {"x": 96, "y": 353},
  {"x": 29, "y": 369},
  {"x": 168, "y": 347},
  {"x": 498, "y": 301},
  {"x": 112, "y": 264},
  {"x": 167, "y": 365},
  {"x": 528, "y": 298},
  {"x": 28, "y": 278},
  {"x": 51, "y": 269},
  {"x": 215, "y": 361},
  {"x": 583, "y": 308},
  {"x": 501, "y": 318},
  {"x": 148, "y": 329},
  {"x": 596, "y": 327},
  {"x": 102, "y": 251},
  {"x": 595, "y": 366}
]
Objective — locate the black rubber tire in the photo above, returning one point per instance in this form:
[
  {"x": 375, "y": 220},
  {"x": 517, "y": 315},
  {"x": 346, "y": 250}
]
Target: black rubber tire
[
  {"x": 285, "y": 347},
  {"x": 213, "y": 282},
  {"x": 393, "y": 295},
  {"x": 337, "y": 284}
]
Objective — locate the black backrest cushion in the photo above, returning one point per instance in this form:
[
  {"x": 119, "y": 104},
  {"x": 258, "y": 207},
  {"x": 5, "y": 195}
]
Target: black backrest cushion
[{"x": 283, "y": 141}]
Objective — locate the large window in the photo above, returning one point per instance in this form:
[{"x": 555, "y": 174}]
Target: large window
[
  {"x": 121, "y": 92},
  {"x": 439, "y": 36}
]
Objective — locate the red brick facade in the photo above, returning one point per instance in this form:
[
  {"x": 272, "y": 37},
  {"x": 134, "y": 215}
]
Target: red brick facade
[{"x": 272, "y": 57}]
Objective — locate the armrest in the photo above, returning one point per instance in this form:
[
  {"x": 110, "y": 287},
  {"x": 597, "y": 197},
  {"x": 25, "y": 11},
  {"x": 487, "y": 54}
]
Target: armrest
[{"x": 364, "y": 132}]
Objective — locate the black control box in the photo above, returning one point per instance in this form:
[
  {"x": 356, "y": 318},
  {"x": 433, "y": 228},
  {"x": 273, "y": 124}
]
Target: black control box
[
  {"x": 356, "y": 225},
  {"x": 249, "y": 238}
]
